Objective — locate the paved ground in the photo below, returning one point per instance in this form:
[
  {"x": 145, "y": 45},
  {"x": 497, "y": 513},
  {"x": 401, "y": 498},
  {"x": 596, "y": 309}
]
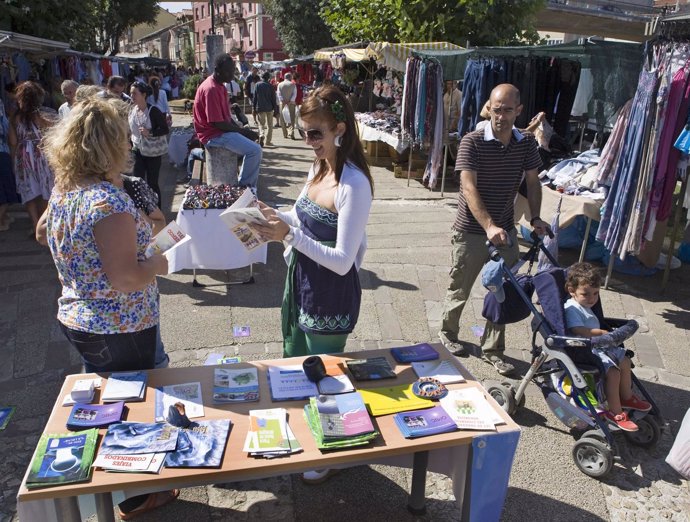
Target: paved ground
[{"x": 403, "y": 279}]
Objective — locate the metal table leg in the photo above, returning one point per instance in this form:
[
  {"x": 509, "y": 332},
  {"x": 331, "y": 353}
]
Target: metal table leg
[
  {"x": 67, "y": 509},
  {"x": 417, "y": 500},
  {"x": 104, "y": 507},
  {"x": 250, "y": 280},
  {"x": 586, "y": 239}
]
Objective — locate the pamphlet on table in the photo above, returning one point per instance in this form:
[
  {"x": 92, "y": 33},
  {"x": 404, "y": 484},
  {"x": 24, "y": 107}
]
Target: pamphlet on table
[
  {"x": 139, "y": 463},
  {"x": 240, "y": 217},
  {"x": 444, "y": 371},
  {"x": 188, "y": 394},
  {"x": 267, "y": 432},
  {"x": 393, "y": 399},
  {"x": 235, "y": 385},
  {"x": 339, "y": 421},
  {"x": 85, "y": 416},
  {"x": 417, "y": 352},
  {"x": 125, "y": 386},
  {"x": 132, "y": 438},
  {"x": 422, "y": 423},
  {"x": 290, "y": 383},
  {"x": 62, "y": 458},
  {"x": 470, "y": 410},
  {"x": 371, "y": 369},
  {"x": 201, "y": 445}
]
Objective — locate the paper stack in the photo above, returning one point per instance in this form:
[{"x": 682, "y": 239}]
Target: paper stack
[
  {"x": 339, "y": 421},
  {"x": 470, "y": 410},
  {"x": 269, "y": 434}
]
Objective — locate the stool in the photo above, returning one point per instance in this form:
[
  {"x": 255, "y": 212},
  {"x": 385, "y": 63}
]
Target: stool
[{"x": 221, "y": 166}]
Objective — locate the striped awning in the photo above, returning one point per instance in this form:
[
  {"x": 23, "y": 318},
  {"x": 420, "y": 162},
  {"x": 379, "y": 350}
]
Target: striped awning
[
  {"x": 394, "y": 55},
  {"x": 351, "y": 55}
]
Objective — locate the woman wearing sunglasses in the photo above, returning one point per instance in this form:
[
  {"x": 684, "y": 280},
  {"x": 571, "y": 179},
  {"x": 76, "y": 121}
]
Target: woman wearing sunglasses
[{"x": 325, "y": 231}]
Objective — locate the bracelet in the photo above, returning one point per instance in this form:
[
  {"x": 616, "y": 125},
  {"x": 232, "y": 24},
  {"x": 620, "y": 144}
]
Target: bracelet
[{"x": 535, "y": 218}]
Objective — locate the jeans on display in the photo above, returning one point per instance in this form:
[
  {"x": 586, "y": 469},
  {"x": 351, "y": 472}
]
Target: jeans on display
[
  {"x": 114, "y": 352},
  {"x": 468, "y": 257},
  {"x": 569, "y": 79},
  {"x": 472, "y": 101},
  {"x": 235, "y": 142}
]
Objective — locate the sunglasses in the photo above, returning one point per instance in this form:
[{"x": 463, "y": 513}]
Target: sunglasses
[{"x": 311, "y": 134}]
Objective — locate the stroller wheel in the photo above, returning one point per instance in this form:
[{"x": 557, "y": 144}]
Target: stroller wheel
[
  {"x": 593, "y": 457},
  {"x": 502, "y": 394},
  {"x": 648, "y": 434},
  {"x": 513, "y": 390}
]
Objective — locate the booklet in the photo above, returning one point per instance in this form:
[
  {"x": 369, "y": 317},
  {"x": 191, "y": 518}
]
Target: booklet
[
  {"x": 416, "y": 352},
  {"x": 267, "y": 431},
  {"x": 371, "y": 369},
  {"x": 290, "y": 383},
  {"x": 125, "y": 386},
  {"x": 172, "y": 236},
  {"x": 343, "y": 415},
  {"x": 295, "y": 447},
  {"x": 444, "y": 371},
  {"x": 131, "y": 438},
  {"x": 188, "y": 394},
  {"x": 94, "y": 415},
  {"x": 230, "y": 385},
  {"x": 62, "y": 458},
  {"x": 241, "y": 215},
  {"x": 201, "y": 445},
  {"x": 424, "y": 422},
  {"x": 393, "y": 399},
  {"x": 140, "y": 463}
]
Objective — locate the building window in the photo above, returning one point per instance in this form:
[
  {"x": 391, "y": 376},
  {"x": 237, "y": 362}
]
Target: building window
[
  {"x": 196, "y": 13},
  {"x": 202, "y": 11},
  {"x": 268, "y": 57}
]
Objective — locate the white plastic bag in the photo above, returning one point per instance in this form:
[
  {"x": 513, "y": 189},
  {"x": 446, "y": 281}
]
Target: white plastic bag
[
  {"x": 286, "y": 116},
  {"x": 679, "y": 456}
]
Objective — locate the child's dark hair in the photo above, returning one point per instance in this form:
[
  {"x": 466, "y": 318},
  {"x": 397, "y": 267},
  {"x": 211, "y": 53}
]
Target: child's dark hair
[{"x": 581, "y": 274}]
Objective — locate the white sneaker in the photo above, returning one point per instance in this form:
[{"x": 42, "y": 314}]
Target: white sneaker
[{"x": 318, "y": 476}]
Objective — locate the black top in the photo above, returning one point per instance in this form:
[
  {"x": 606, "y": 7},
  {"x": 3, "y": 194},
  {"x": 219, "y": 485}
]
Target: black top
[
  {"x": 159, "y": 127},
  {"x": 264, "y": 98}
]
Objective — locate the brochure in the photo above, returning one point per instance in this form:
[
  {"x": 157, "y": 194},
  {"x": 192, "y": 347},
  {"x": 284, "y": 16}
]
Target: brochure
[
  {"x": 241, "y": 215},
  {"x": 125, "y": 386},
  {"x": 444, "y": 371},
  {"x": 393, "y": 399},
  {"x": 172, "y": 236},
  {"x": 140, "y": 463},
  {"x": 230, "y": 385},
  {"x": 188, "y": 394},
  {"x": 343, "y": 415},
  {"x": 417, "y": 352},
  {"x": 290, "y": 383},
  {"x": 131, "y": 438},
  {"x": 201, "y": 445},
  {"x": 371, "y": 369},
  {"x": 470, "y": 410},
  {"x": 295, "y": 447},
  {"x": 424, "y": 422},
  {"x": 62, "y": 458},
  {"x": 267, "y": 431},
  {"x": 94, "y": 415}
]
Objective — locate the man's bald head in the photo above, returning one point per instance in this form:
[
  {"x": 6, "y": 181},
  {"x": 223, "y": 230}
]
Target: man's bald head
[{"x": 505, "y": 92}]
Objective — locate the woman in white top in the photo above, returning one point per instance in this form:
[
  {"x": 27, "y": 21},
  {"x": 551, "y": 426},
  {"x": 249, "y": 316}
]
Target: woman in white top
[
  {"x": 325, "y": 231},
  {"x": 158, "y": 98}
]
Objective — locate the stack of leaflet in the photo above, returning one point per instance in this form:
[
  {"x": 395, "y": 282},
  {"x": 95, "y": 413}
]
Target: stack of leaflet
[
  {"x": 270, "y": 435},
  {"x": 393, "y": 399},
  {"x": 125, "y": 386},
  {"x": 85, "y": 416},
  {"x": 62, "y": 458},
  {"x": 235, "y": 385},
  {"x": 442, "y": 370},
  {"x": 339, "y": 421},
  {"x": 424, "y": 422},
  {"x": 470, "y": 410}
]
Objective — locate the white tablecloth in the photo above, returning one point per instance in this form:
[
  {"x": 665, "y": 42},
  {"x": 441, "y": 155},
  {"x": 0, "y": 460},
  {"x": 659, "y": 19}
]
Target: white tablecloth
[
  {"x": 367, "y": 133},
  {"x": 212, "y": 245},
  {"x": 177, "y": 146}
]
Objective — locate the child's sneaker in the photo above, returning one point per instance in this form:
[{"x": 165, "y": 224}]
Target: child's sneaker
[
  {"x": 621, "y": 420},
  {"x": 635, "y": 403}
]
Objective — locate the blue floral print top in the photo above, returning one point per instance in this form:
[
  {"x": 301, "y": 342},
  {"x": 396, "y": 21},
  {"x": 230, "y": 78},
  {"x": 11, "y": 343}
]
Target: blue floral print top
[{"x": 89, "y": 303}]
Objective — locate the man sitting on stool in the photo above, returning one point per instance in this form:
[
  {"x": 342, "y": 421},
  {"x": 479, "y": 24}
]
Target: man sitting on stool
[{"x": 216, "y": 128}]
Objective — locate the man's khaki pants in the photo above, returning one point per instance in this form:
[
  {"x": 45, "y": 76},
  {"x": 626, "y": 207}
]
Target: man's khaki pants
[
  {"x": 266, "y": 126},
  {"x": 467, "y": 260},
  {"x": 283, "y": 123}
]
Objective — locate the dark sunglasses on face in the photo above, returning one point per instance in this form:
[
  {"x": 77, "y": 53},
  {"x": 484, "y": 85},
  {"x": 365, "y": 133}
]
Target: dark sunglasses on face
[{"x": 312, "y": 134}]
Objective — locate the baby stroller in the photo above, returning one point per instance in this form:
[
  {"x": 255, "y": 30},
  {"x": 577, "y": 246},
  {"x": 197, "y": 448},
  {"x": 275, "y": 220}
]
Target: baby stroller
[{"x": 595, "y": 447}]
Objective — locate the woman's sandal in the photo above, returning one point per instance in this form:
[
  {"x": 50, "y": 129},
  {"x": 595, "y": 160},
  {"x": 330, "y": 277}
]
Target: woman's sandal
[
  {"x": 502, "y": 367},
  {"x": 154, "y": 501}
]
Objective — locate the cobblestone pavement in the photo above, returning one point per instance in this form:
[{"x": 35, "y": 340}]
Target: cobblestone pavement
[{"x": 404, "y": 279}]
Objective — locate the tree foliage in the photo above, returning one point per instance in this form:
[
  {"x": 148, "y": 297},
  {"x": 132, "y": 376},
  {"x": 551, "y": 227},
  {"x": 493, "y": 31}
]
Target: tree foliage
[
  {"x": 87, "y": 25},
  {"x": 299, "y": 25},
  {"x": 481, "y": 22}
]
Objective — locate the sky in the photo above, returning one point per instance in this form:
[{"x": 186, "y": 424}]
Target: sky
[{"x": 175, "y": 7}]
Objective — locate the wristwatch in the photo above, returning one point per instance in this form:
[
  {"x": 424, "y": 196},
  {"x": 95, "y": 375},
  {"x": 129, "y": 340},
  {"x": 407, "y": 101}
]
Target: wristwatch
[{"x": 289, "y": 237}]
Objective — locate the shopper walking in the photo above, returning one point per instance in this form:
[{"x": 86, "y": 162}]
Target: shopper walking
[
  {"x": 492, "y": 163},
  {"x": 287, "y": 94},
  {"x": 264, "y": 107}
]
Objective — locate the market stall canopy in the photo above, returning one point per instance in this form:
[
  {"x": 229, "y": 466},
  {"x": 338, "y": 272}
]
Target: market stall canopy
[
  {"x": 351, "y": 55},
  {"x": 395, "y": 55},
  {"x": 29, "y": 44}
]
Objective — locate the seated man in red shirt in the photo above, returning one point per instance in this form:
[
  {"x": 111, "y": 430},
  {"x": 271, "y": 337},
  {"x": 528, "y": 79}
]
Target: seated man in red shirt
[{"x": 215, "y": 127}]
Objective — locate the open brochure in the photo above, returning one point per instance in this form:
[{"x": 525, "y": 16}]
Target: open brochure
[
  {"x": 241, "y": 215},
  {"x": 172, "y": 236}
]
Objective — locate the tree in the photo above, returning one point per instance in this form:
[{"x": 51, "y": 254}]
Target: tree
[
  {"x": 481, "y": 22},
  {"x": 87, "y": 25},
  {"x": 188, "y": 56},
  {"x": 299, "y": 25}
]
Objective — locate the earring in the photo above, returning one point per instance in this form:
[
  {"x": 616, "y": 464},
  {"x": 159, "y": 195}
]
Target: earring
[{"x": 338, "y": 141}]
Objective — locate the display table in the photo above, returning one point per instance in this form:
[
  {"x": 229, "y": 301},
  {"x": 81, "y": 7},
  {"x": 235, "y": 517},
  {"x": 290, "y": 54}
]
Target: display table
[
  {"x": 177, "y": 146},
  {"x": 571, "y": 207},
  {"x": 212, "y": 245},
  {"x": 367, "y": 133},
  {"x": 479, "y": 463}
]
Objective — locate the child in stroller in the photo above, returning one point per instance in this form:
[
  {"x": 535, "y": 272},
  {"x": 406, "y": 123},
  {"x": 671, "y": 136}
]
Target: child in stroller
[{"x": 583, "y": 283}]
